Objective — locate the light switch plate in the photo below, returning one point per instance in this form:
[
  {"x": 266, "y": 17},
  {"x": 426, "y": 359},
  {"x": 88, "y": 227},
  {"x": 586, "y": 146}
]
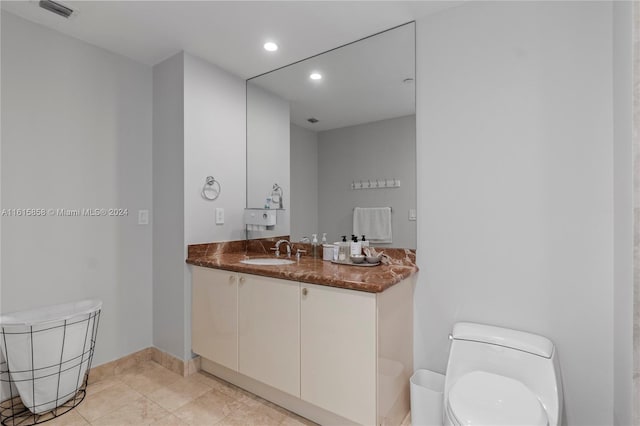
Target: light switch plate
[
  {"x": 143, "y": 217},
  {"x": 412, "y": 214},
  {"x": 219, "y": 216}
]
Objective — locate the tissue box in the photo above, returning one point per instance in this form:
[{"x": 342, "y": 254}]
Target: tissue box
[{"x": 264, "y": 217}]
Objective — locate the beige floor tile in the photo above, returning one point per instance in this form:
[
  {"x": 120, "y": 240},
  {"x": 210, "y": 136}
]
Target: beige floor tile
[
  {"x": 70, "y": 418},
  {"x": 179, "y": 393},
  {"x": 207, "y": 379},
  {"x": 108, "y": 400},
  {"x": 149, "y": 378},
  {"x": 268, "y": 409},
  {"x": 209, "y": 408},
  {"x": 226, "y": 388},
  {"x": 261, "y": 414},
  {"x": 247, "y": 418},
  {"x": 101, "y": 385},
  {"x": 139, "y": 412},
  {"x": 294, "y": 420},
  {"x": 169, "y": 420},
  {"x": 101, "y": 372},
  {"x": 146, "y": 393},
  {"x": 247, "y": 398}
]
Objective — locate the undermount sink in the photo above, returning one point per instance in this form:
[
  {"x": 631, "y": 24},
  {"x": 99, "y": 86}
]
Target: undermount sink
[{"x": 267, "y": 261}]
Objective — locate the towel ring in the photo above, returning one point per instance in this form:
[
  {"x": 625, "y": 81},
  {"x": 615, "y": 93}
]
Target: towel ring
[{"x": 210, "y": 185}]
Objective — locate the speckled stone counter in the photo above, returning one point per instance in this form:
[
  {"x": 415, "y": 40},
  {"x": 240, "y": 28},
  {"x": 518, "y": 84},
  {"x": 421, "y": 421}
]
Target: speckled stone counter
[{"x": 227, "y": 256}]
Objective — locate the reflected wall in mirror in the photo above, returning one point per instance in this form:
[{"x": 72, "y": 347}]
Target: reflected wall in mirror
[{"x": 342, "y": 141}]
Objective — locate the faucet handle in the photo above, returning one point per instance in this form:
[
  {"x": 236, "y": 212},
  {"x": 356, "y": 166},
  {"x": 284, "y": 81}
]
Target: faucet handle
[
  {"x": 276, "y": 249},
  {"x": 298, "y": 251}
]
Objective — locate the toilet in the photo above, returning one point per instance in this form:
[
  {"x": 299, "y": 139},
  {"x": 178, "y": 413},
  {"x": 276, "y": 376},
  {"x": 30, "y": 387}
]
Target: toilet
[{"x": 501, "y": 377}]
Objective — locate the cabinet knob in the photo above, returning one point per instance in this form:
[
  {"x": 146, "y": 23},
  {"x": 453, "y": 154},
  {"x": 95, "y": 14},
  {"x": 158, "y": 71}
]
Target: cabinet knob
[
  {"x": 305, "y": 291},
  {"x": 232, "y": 278},
  {"x": 242, "y": 280}
]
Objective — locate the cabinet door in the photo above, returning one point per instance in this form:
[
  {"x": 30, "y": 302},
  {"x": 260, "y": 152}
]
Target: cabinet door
[
  {"x": 269, "y": 331},
  {"x": 338, "y": 351},
  {"x": 214, "y": 316}
]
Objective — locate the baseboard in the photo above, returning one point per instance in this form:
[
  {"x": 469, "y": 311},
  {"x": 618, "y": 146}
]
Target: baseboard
[{"x": 168, "y": 361}]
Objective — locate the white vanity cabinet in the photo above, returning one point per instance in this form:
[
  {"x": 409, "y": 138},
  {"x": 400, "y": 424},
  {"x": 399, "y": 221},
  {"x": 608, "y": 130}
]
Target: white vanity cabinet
[
  {"x": 249, "y": 324},
  {"x": 269, "y": 331},
  {"x": 338, "y": 351},
  {"x": 214, "y": 316},
  {"x": 333, "y": 355}
]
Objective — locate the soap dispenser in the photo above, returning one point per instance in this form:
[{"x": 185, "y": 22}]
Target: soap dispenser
[
  {"x": 314, "y": 246},
  {"x": 343, "y": 251},
  {"x": 356, "y": 247},
  {"x": 364, "y": 242}
]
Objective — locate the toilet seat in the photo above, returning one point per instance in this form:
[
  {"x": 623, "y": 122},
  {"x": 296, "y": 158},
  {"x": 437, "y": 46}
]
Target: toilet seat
[{"x": 481, "y": 398}]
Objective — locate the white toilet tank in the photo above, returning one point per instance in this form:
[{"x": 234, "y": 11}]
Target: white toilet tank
[{"x": 524, "y": 357}]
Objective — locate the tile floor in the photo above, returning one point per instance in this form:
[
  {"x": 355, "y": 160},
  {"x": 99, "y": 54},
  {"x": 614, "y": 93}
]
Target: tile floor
[{"x": 152, "y": 395}]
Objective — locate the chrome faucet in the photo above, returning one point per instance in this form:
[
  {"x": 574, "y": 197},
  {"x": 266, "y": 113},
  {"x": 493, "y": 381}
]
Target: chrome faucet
[
  {"x": 277, "y": 248},
  {"x": 299, "y": 252}
]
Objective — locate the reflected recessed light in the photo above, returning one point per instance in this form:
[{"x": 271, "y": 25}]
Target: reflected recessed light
[
  {"x": 270, "y": 46},
  {"x": 315, "y": 76}
]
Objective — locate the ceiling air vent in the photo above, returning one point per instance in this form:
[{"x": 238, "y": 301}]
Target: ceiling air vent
[{"x": 56, "y": 8}]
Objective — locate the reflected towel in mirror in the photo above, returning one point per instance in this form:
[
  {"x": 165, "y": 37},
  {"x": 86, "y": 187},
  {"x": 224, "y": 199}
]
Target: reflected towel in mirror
[{"x": 373, "y": 222}]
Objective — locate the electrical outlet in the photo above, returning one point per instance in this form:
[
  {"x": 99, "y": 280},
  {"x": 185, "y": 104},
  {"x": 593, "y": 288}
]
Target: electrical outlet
[
  {"x": 219, "y": 216},
  {"x": 143, "y": 217},
  {"x": 412, "y": 214}
]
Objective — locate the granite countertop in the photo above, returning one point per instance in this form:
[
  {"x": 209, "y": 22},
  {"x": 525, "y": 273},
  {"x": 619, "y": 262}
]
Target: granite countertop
[{"x": 227, "y": 256}]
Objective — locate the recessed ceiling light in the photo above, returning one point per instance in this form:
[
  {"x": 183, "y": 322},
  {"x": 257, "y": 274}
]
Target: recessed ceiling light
[
  {"x": 315, "y": 76},
  {"x": 270, "y": 46}
]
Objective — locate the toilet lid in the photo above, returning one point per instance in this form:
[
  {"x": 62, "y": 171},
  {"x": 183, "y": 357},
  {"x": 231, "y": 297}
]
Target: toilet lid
[{"x": 481, "y": 398}]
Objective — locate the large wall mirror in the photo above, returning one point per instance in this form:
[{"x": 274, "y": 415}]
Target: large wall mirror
[{"x": 338, "y": 144}]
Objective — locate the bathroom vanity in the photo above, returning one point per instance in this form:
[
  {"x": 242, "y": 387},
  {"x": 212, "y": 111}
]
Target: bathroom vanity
[{"x": 330, "y": 342}]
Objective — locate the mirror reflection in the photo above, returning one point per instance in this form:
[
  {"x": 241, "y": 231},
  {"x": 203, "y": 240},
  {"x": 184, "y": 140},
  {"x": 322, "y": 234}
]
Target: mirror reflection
[{"x": 336, "y": 134}]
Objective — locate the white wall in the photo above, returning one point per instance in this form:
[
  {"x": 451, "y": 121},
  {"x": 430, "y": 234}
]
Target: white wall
[
  {"x": 268, "y": 154},
  {"x": 214, "y": 144},
  {"x": 515, "y": 178},
  {"x": 76, "y": 133},
  {"x": 168, "y": 206},
  {"x": 623, "y": 212},
  {"x": 199, "y": 130},
  {"x": 304, "y": 183},
  {"x": 380, "y": 150}
]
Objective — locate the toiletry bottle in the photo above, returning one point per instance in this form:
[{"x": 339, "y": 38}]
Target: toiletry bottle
[
  {"x": 356, "y": 247},
  {"x": 344, "y": 249},
  {"x": 314, "y": 246},
  {"x": 325, "y": 248},
  {"x": 364, "y": 242}
]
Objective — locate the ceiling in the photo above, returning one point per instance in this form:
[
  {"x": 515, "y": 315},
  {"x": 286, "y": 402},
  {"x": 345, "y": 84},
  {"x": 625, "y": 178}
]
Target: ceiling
[
  {"x": 229, "y": 34},
  {"x": 362, "y": 82}
]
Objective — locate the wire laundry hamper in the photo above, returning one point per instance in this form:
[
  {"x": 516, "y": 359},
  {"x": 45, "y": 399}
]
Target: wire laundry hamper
[{"x": 45, "y": 359}]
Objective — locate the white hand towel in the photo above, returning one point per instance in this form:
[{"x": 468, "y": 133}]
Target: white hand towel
[{"x": 374, "y": 223}]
